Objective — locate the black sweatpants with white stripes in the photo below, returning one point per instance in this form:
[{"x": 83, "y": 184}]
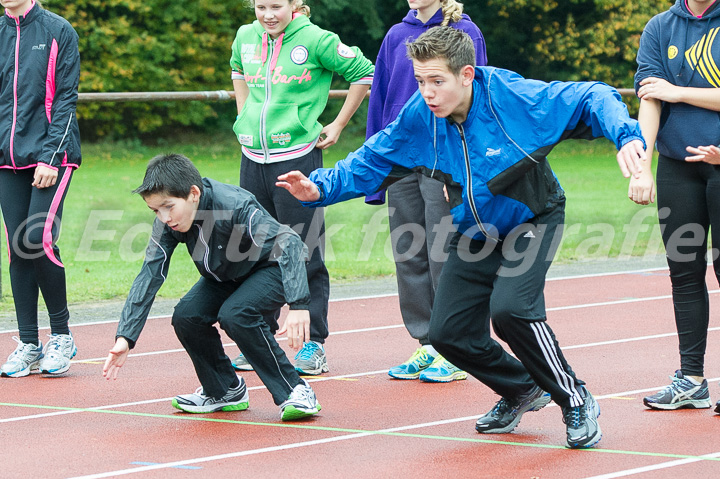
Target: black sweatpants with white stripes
[
  {"x": 503, "y": 282},
  {"x": 240, "y": 310}
]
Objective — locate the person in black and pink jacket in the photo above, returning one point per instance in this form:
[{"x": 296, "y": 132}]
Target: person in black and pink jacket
[{"x": 39, "y": 150}]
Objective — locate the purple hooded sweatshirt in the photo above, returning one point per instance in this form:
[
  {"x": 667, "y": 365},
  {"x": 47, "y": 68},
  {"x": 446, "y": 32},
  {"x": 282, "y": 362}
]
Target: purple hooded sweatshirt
[{"x": 394, "y": 81}]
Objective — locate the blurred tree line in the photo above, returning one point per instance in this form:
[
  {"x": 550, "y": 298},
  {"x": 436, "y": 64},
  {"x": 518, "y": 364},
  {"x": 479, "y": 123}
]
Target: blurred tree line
[{"x": 164, "y": 45}]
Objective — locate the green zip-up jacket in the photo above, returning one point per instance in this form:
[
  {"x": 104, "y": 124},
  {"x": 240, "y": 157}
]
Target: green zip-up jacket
[{"x": 289, "y": 81}]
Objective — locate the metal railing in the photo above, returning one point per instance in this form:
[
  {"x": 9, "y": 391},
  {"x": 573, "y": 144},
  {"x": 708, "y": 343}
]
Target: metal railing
[{"x": 212, "y": 95}]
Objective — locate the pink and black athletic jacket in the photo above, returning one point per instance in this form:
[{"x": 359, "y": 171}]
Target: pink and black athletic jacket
[{"x": 39, "y": 75}]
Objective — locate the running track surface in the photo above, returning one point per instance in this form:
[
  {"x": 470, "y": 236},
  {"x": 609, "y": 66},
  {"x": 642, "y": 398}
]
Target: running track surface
[{"x": 617, "y": 332}]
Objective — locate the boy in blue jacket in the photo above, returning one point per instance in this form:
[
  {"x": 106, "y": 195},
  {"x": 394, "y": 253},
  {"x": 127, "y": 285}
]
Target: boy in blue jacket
[
  {"x": 485, "y": 133},
  {"x": 249, "y": 265}
]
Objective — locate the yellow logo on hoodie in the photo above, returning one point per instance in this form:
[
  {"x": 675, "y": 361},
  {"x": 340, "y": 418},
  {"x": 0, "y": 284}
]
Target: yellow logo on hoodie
[
  {"x": 672, "y": 52},
  {"x": 699, "y": 56}
]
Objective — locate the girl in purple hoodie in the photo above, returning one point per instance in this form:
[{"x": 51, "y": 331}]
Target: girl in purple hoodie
[{"x": 416, "y": 200}]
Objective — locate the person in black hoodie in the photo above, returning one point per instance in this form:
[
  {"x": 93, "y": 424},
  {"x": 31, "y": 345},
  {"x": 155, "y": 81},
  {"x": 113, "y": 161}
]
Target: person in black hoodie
[
  {"x": 677, "y": 82},
  {"x": 249, "y": 264},
  {"x": 39, "y": 150}
]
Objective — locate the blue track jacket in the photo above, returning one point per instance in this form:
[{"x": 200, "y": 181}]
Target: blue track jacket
[{"x": 494, "y": 164}]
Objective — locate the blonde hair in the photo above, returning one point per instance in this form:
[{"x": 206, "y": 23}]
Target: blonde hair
[
  {"x": 452, "y": 11},
  {"x": 303, "y": 9},
  {"x": 300, "y": 6}
]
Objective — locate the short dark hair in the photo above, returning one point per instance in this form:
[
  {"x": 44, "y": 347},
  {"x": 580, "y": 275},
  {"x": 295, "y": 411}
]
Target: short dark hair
[
  {"x": 454, "y": 46},
  {"x": 170, "y": 174}
]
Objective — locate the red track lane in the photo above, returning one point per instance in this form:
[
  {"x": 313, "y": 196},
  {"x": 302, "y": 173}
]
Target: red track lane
[{"x": 370, "y": 425}]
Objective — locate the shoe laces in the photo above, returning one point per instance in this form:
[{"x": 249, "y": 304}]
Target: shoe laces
[
  {"x": 503, "y": 406},
  {"x": 301, "y": 392},
  {"x": 574, "y": 416},
  {"x": 57, "y": 342},
  {"x": 22, "y": 349},
  {"x": 420, "y": 354},
  {"x": 679, "y": 385},
  {"x": 307, "y": 351}
]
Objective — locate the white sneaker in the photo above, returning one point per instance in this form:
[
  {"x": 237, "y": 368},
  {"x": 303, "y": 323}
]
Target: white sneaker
[
  {"x": 58, "y": 353},
  {"x": 24, "y": 359},
  {"x": 301, "y": 403},
  {"x": 235, "y": 399}
]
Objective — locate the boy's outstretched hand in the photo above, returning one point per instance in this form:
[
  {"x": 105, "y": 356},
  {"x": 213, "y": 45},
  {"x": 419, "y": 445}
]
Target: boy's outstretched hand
[
  {"x": 116, "y": 358},
  {"x": 297, "y": 326},
  {"x": 629, "y": 158},
  {"x": 299, "y": 186}
]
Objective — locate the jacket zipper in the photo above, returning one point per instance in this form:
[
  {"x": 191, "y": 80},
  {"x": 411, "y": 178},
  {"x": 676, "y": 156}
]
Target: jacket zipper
[
  {"x": 471, "y": 196},
  {"x": 15, "y": 93},
  {"x": 207, "y": 254},
  {"x": 263, "y": 113}
]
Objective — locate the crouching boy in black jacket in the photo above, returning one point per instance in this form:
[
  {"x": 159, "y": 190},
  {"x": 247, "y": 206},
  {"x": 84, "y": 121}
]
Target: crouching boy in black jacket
[{"x": 249, "y": 265}]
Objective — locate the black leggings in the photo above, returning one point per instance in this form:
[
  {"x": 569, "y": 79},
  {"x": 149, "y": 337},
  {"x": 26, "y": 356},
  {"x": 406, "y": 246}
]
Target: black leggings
[
  {"x": 309, "y": 223},
  {"x": 688, "y": 205},
  {"x": 32, "y": 223}
]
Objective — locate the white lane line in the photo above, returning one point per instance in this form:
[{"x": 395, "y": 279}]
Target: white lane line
[
  {"x": 563, "y": 278},
  {"x": 655, "y": 467},
  {"x": 168, "y": 399},
  {"x": 348, "y": 437},
  {"x": 266, "y": 449}
]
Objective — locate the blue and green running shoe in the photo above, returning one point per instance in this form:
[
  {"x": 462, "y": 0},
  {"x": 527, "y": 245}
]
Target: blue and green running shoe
[
  {"x": 412, "y": 368},
  {"x": 442, "y": 371}
]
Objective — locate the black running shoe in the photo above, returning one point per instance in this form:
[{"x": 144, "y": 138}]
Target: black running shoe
[{"x": 506, "y": 414}]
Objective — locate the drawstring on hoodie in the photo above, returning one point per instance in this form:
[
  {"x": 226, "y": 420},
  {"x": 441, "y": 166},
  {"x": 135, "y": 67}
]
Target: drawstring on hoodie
[{"x": 276, "y": 49}]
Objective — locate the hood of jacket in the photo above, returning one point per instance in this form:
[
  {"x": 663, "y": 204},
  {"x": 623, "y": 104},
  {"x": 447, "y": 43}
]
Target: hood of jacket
[
  {"x": 680, "y": 9},
  {"x": 412, "y": 20}
]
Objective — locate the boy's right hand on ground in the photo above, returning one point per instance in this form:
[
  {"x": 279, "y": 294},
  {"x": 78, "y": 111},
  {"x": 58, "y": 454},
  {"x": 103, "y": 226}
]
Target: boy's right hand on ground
[
  {"x": 116, "y": 358},
  {"x": 299, "y": 186}
]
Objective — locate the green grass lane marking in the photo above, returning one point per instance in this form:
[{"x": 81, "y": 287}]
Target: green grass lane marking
[{"x": 189, "y": 417}]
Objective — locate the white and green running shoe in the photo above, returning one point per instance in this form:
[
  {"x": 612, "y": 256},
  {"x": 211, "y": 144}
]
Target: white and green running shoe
[
  {"x": 442, "y": 371},
  {"x": 236, "y": 399},
  {"x": 300, "y": 403}
]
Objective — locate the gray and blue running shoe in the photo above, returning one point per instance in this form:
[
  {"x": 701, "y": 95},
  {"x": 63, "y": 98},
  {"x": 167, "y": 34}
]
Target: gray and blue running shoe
[
  {"x": 681, "y": 393},
  {"x": 311, "y": 360},
  {"x": 583, "y": 429}
]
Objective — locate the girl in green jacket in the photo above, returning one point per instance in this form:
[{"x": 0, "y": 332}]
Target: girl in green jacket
[{"x": 282, "y": 68}]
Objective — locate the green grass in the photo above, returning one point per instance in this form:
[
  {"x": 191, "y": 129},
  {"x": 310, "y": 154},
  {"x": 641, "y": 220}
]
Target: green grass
[{"x": 105, "y": 227}]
